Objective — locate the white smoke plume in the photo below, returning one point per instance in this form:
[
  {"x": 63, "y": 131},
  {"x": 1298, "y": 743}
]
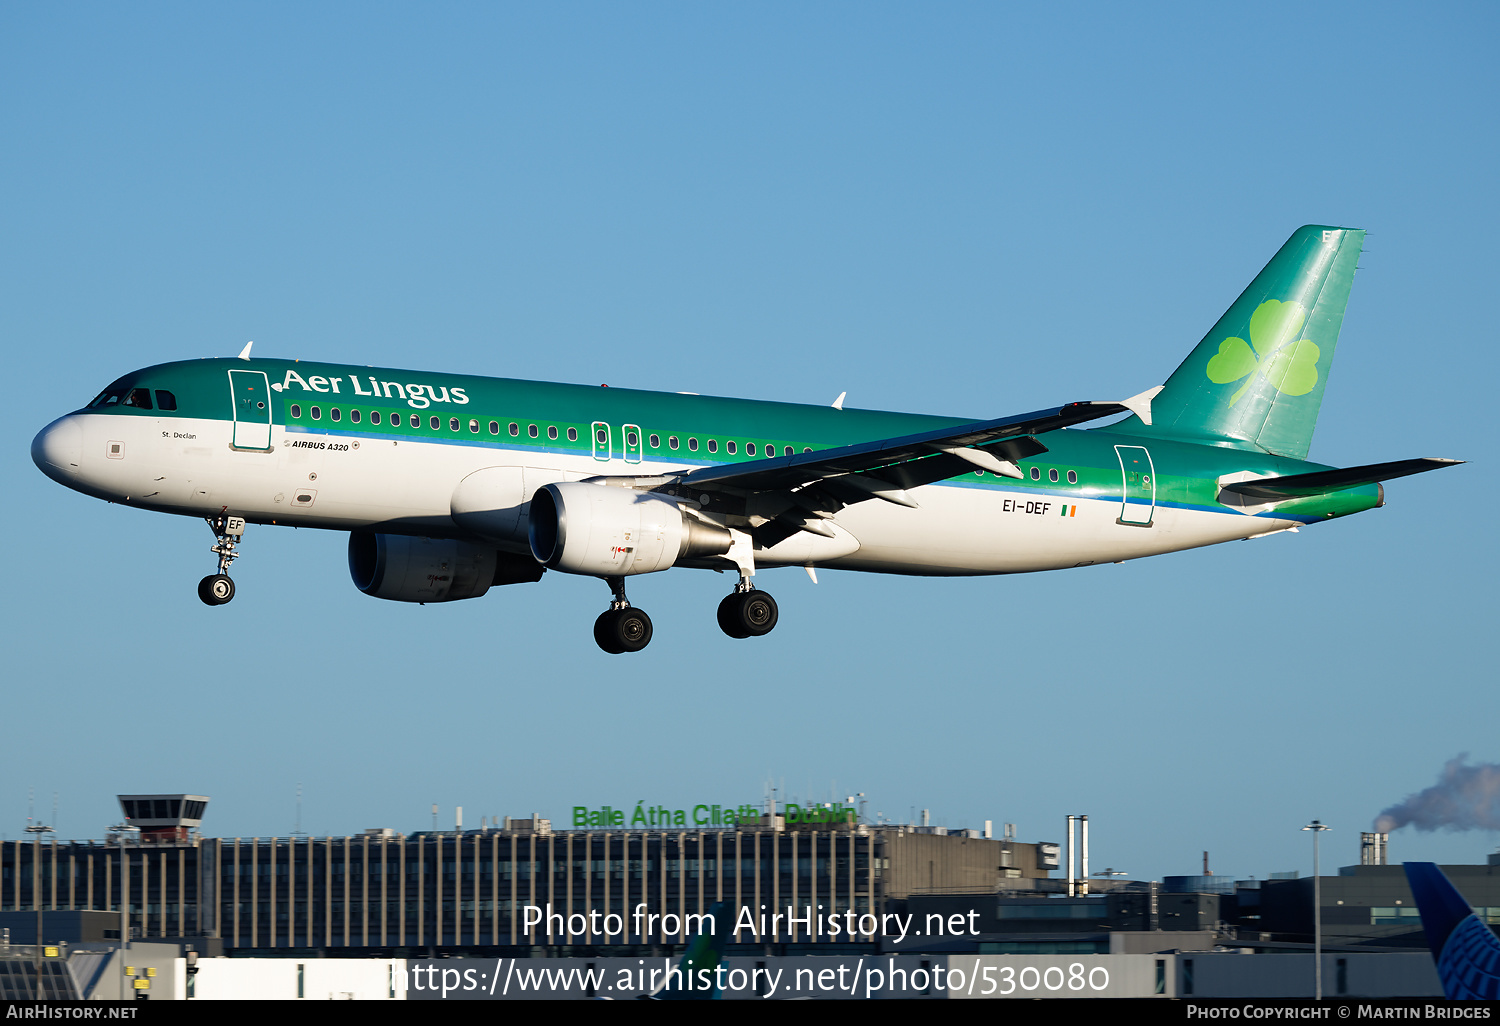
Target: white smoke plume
[{"x": 1464, "y": 798}]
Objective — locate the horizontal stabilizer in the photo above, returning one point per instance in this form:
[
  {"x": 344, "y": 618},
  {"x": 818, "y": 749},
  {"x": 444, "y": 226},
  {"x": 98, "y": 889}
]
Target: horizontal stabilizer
[{"x": 1322, "y": 481}]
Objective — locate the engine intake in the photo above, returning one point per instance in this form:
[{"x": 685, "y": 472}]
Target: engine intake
[{"x": 604, "y": 531}]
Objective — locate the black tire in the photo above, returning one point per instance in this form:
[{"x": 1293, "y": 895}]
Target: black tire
[
  {"x": 748, "y": 614},
  {"x": 622, "y": 630},
  {"x": 759, "y": 613},
  {"x": 605, "y": 634},
  {"x": 216, "y": 589},
  {"x": 633, "y": 628},
  {"x": 729, "y": 617}
]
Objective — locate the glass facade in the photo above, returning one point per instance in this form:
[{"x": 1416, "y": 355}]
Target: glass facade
[{"x": 454, "y": 890}]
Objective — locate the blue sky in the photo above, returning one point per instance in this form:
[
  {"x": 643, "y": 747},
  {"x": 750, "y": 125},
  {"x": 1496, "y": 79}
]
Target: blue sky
[{"x": 951, "y": 208}]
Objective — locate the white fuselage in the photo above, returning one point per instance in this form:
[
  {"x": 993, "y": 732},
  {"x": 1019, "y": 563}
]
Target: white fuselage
[{"x": 338, "y": 482}]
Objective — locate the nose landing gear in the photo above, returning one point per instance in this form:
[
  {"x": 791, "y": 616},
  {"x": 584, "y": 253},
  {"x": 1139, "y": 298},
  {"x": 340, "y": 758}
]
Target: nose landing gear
[
  {"x": 621, "y": 628},
  {"x": 217, "y": 589}
]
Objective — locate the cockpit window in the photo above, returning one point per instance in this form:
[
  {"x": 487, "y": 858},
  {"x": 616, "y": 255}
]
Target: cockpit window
[
  {"x": 165, "y": 400},
  {"x": 112, "y": 395},
  {"x": 140, "y": 398}
]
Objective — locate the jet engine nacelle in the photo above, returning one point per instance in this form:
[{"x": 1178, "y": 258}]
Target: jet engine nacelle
[
  {"x": 604, "y": 531},
  {"x": 407, "y": 569}
]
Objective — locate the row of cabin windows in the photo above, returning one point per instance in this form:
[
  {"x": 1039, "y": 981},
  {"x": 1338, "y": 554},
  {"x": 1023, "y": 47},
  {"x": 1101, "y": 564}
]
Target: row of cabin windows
[
  {"x": 136, "y": 398},
  {"x": 632, "y": 439},
  {"x": 602, "y": 436},
  {"x": 1036, "y": 475}
]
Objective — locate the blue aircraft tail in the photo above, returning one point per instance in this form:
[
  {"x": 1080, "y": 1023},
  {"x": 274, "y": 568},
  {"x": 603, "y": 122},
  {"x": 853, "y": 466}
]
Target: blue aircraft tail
[{"x": 1467, "y": 953}]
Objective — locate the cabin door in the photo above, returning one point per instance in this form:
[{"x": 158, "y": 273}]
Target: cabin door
[
  {"x": 1138, "y": 490},
  {"x": 250, "y": 393}
]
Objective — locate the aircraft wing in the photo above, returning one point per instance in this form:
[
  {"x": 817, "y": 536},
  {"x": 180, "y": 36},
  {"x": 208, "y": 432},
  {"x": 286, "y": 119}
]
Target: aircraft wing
[{"x": 885, "y": 468}]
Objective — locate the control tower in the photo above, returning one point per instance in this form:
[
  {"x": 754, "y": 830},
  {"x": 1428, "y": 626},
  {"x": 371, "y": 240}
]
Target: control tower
[{"x": 164, "y": 818}]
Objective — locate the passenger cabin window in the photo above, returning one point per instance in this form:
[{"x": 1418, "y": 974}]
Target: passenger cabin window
[
  {"x": 515, "y": 429},
  {"x": 416, "y": 421},
  {"x": 473, "y": 427},
  {"x": 296, "y": 412},
  {"x": 729, "y": 448},
  {"x": 693, "y": 444},
  {"x": 655, "y": 441},
  {"x": 1072, "y": 477},
  {"x": 552, "y": 432},
  {"x": 532, "y": 431},
  {"x": 452, "y": 423},
  {"x": 334, "y": 413},
  {"x": 572, "y": 434},
  {"x": 672, "y": 442},
  {"x": 713, "y": 445},
  {"x": 435, "y": 423},
  {"x": 494, "y": 427},
  {"x": 317, "y": 414},
  {"x": 375, "y": 417},
  {"x": 139, "y": 398},
  {"x": 1036, "y": 473},
  {"x": 749, "y": 448},
  {"x": 354, "y": 416},
  {"x": 1052, "y": 475},
  {"x": 165, "y": 400}
]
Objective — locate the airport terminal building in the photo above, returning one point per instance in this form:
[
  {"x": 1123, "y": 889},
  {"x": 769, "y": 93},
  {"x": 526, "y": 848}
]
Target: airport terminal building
[{"x": 469, "y": 892}]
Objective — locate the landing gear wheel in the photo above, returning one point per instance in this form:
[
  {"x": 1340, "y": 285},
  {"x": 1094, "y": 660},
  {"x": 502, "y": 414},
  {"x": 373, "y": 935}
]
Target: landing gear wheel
[
  {"x": 747, "y": 614},
  {"x": 216, "y": 589},
  {"x": 729, "y": 617},
  {"x": 622, "y": 630}
]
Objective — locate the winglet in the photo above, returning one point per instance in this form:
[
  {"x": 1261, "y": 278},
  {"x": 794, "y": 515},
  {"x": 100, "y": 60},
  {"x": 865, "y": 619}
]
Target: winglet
[
  {"x": 838, "y": 404},
  {"x": 245, "y": 353},
  {"x": 1140, "y": 405}
]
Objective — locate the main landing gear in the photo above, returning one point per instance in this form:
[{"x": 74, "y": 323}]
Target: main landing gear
[
  {"x": 217, "y": 589},
  {"x": 747, "y": 613},
  {"x": 621, "y": 627}
]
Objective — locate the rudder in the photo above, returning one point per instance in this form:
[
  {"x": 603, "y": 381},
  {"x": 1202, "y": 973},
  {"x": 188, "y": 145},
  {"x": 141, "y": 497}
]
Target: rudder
[{"x": 1256, "y": 380}]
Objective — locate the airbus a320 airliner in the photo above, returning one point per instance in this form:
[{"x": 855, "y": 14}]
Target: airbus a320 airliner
[{"x": 451, "y": 485}]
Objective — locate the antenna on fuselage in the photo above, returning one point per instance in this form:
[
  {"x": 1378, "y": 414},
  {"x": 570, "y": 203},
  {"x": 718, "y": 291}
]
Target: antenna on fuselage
[
  {"x": 245, "y": 353},
  {"x": 838, "y": 404}
]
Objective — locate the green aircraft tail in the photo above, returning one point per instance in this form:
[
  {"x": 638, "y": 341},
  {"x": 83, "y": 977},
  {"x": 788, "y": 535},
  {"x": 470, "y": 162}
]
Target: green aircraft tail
[{"x": 1256, "y": 380}]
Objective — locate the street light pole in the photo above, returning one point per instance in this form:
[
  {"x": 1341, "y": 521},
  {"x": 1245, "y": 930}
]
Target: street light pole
[{"x": 1317, "y": 828}]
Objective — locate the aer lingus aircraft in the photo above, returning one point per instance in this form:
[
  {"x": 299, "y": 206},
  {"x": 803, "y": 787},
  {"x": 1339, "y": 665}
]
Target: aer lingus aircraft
[{"x": 450, "y": 485}]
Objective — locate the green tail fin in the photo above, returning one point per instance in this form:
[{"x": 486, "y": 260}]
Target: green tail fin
[{"x": 1256, "y": 380}]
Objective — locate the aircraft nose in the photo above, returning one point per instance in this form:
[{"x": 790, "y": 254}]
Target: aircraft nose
[{"x": 57, "y": 450}]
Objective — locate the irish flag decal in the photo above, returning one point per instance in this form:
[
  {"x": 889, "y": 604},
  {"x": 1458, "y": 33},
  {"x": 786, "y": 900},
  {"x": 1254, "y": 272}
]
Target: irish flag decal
[{"x": 1069, "y": 511}]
